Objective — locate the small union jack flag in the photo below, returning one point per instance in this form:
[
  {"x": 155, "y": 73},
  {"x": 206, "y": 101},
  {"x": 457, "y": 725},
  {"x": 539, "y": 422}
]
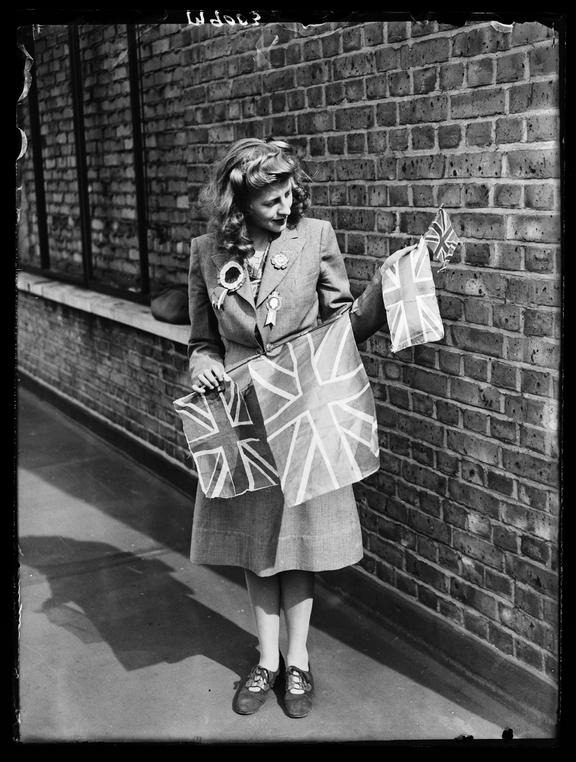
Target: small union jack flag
[
  {"x": 409, "y": 297},
  {"x": 441, "y": 238},
  {"x": 230, "y": 454},
  {"x": 318, "y": 411}
]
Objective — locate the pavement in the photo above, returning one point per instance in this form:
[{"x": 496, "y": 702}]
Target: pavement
[{"x": 123, "y": 639}]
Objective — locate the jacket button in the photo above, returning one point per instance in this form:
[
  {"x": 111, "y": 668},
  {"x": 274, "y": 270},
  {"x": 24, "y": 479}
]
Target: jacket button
[{"x": 269, "y": 347}]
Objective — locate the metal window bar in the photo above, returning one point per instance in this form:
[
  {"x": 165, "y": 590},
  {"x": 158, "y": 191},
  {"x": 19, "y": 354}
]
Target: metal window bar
[{"x": 139, "y": 157}]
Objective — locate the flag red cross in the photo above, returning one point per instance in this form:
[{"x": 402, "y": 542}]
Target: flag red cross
[
  {"x": 231, "y": 455},
  {"x": 318, "y": 411}
]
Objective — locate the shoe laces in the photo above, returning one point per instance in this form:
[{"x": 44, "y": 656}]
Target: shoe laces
[
  {"x": 297, "y": 682},
  {"x": 258, "y": 679}
]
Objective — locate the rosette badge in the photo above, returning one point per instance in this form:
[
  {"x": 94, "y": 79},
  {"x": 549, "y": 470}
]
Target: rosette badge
[{"x": 230, "y": 279}]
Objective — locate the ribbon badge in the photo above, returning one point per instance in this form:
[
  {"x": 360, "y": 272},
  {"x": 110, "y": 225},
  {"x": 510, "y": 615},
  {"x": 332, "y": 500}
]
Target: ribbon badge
[
  {"x": 280, "y": 261},
  {"x": 230, "y": 278},
  {"x": 273, "y": 302}
]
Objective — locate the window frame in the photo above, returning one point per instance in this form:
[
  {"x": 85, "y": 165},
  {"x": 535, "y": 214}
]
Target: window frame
[{"x": 87, "y": 280}]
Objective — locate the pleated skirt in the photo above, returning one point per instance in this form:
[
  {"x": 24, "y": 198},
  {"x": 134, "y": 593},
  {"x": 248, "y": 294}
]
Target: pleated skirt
[{"x": 257, "y": 531}]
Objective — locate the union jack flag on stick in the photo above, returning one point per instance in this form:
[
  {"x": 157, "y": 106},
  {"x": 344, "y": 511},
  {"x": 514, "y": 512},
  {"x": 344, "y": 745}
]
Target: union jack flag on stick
[
  {"x": 230, "y": 454},
  {"x": 441, "y": 238},
  {"x": 318, "y": 411},
  {"x": 410, "y": 298}
]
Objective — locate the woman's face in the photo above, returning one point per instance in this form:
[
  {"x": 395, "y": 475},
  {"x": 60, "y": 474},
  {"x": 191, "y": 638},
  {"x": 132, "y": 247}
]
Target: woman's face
[{"x": 269, "y": 208}]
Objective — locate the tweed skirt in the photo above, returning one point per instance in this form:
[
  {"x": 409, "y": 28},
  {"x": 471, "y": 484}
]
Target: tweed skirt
[{"x": 257, "y": 531}]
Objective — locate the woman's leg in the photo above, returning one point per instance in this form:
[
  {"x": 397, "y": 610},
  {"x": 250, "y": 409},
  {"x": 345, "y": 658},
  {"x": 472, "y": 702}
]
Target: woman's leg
[
  {"x": 264, "y": 594},
  {"x": 297, "y": 588}
]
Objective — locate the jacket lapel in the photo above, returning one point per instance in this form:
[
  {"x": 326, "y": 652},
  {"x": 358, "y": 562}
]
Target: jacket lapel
[
  {"x": 245, "y": 291},
  {"x": 288, "y": 243}
]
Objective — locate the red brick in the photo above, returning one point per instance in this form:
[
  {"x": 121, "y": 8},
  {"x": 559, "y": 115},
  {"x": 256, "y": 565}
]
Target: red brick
[
  {"x": 331, "y": 44},
  {"x": 533, "y": 164},
  {"x": 358, "y": 118},
  {"x": 449, "y": 135},
  {"x": 544, "y": 60},
  {"x": 540, "y": 196},
  {"x": 508, "y": 195},
  {"x": 479, "y": 134},
  {"x": 512, "y": 67},
  {"x": 398, "y": 139},
  {"x": 376, "y": 87},
  {"x": 480, "y": 40},
  {"x": 477, "y": 104},
  {"x": 399, "y": 83},
  {"x": 529, "y": 32},
  {"x": 451, "y": 76},
  {"x": 473, "y": 165},
  {"x": 429, "y": 526},
  {"x": 474, "y": 597},
  {"x": 533, "y": 96},
  {"x": 353, "y": 65},
  {"x": 386, "y": 58},
  {"x": 474, "y": 497},
  {"x": 535, "y": 227},
  {"x": 430, "y": 575},
  {"x": 535, "y": 382},
  {"x": 315, "y": 73},
  {"x": 426, "y": 52},
  {"x": 509, "y": 129},
  {"x": 397, "y": 30},
  {"x": 424, "y": 109},
  {"x": 476, "y": 194},
  {"x": 373, "y": 33},
  {"x": 421, "y": 167},
  {"x": 479, "y": 72},
  {"x": 477, "y": 340},
  {"x": 387, "y": 114},
  {"x": 542, "y": 127},
  {"x": 424, "y": 80},
  {"x": 525, "y": 464}
]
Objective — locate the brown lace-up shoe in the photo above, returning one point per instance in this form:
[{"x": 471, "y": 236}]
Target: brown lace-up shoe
[
  {"x": 299, "y": 692},
  {"x": 253, "y": 691}
]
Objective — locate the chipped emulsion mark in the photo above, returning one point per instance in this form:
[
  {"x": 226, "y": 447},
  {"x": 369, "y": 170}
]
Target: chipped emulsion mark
[{"x": 262, "y": 57}]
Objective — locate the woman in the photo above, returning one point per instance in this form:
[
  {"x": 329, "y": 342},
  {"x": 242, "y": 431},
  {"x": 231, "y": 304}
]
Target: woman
[{"x": 292, "y": 266}]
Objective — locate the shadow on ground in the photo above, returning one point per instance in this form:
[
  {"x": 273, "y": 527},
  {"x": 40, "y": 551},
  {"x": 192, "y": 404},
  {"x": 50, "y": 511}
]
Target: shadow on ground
[{"x": 156, "y": 618}]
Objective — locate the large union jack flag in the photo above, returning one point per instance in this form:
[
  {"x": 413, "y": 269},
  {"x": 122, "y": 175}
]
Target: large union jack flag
[
  {"x": 441, "y": 238},
  {"x": 409, "y": 297},
  {"x": 318, "y": 411},
  {"x": 230, "y": 454}
]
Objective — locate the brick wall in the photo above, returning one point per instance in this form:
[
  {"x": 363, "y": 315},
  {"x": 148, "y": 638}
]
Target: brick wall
[
  {"x": 394, "y": 119},
  {"x": 116, "y": 371}
]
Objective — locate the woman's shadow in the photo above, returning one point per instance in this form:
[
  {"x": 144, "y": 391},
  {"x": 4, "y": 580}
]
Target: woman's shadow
[{"x": 134, "y": 604}]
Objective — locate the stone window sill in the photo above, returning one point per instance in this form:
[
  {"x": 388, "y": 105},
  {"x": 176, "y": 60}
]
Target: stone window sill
[{"x": 106, "y": 306}]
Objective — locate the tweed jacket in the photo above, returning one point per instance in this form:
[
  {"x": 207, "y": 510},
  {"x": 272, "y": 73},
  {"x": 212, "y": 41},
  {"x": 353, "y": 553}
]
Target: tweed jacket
[{"x": 313, "y": 288}]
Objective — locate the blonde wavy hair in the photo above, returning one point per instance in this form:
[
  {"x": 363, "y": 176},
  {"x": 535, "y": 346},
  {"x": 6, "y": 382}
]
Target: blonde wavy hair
[{"x": 248, "y": 166}]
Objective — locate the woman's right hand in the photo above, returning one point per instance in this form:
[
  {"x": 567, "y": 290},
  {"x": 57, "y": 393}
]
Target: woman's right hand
[{"x": 209, "y": 378}]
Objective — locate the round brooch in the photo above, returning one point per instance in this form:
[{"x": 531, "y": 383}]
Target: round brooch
[
  {"x": 280, "y": 261},
  {"x": 231, "y": 276}
]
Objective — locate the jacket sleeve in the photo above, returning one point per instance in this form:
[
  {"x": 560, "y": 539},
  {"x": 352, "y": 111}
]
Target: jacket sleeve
[
  {"x": 333, "y": 287},
  {"x": 368, "y": 313},
  {"x": 204, "y": 344}
]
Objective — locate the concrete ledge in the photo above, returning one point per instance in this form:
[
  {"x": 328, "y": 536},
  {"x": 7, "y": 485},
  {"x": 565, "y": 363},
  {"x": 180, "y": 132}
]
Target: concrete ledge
[{"x": 103, "y": 305}]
